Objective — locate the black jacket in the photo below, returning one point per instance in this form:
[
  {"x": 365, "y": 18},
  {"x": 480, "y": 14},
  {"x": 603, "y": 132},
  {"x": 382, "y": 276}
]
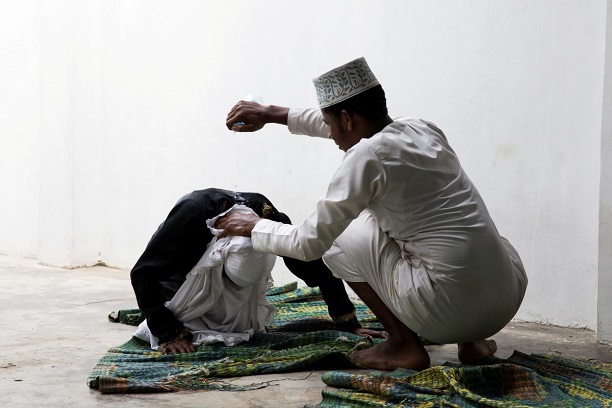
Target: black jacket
[{"x": 179, "y": 243}]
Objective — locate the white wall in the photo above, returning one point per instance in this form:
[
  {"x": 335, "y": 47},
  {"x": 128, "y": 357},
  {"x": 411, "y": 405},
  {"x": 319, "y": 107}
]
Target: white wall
[
  {"x": 604, "y": 306},
  {"x": 20, "y": 96},
  {"x": 114, "y": 109}
]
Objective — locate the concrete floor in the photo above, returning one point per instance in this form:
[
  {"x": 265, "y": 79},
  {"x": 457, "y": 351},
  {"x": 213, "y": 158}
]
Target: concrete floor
[{"x": 55, "y": 328}]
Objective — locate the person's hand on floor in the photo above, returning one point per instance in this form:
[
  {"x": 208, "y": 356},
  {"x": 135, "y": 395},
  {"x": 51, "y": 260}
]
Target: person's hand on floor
[
  {"x": 179, "y": 347},
  {"x": 360, "y": 331}
]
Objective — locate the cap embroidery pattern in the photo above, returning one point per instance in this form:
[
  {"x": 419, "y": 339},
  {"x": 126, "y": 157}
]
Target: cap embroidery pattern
[{"x": 344, "y": 82}]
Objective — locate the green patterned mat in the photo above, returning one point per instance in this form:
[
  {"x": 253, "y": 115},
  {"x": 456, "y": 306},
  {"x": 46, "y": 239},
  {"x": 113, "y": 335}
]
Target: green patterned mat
[
  {"x": 133, "y": 367},
  {"x": 552, "y": 380},
  {"x": 300, "y": 340}
]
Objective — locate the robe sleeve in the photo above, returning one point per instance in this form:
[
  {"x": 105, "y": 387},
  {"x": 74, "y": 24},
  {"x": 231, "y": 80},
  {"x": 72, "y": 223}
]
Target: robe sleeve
[
  {"x": 307, "y": 122},
  {"x": 359, "y": 180}
]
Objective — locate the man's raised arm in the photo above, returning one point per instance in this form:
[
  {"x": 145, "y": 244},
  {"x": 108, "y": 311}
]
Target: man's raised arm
[{"x": 251, "y": 116}]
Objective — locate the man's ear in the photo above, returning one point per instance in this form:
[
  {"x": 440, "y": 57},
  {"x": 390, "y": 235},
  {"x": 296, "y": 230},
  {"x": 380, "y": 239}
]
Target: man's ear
[{"x": 346, "y": 119}]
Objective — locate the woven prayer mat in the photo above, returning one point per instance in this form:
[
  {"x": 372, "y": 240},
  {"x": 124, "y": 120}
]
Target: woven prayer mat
[
  {"x": 552, "y": 380},
  {"x": 299, "y": 338}
]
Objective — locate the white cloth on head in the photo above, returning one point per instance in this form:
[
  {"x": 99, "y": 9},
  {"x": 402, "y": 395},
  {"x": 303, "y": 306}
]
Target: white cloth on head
[
  {"x": 223, "y": 306},
  {"x": 401, "y": 206}
]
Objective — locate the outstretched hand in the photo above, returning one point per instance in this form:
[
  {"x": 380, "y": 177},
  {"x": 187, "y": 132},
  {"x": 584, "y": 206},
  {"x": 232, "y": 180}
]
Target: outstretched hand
[
  {"x": 238, "y": 222},
  {"x": 246, "y": 117},
  {"x": 179, "y": 347}
]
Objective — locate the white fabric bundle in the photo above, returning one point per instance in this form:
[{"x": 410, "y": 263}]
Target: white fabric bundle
[{"x": 218, "y": 308}]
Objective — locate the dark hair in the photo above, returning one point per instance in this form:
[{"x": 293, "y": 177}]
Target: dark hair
[{"x": 370, "y": 104}]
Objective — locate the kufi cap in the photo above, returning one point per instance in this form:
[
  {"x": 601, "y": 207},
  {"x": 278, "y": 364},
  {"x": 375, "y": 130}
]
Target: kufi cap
[{"x": 344, "y": 82}]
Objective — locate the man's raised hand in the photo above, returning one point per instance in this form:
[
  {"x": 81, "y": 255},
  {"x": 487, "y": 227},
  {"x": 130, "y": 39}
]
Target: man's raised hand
[{"x": 246, "y": 117}]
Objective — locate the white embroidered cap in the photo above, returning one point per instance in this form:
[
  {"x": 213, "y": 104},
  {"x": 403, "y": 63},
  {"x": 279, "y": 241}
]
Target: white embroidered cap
[{"x": 344, "y": 82}]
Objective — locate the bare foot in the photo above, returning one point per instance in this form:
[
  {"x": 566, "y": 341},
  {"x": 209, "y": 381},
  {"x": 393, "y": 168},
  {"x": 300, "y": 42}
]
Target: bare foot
[
  {"x": 474, "y": 351},
  {"x": 384, "y": 356}
]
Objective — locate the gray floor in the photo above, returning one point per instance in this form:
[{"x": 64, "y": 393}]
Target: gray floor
[{"x": 54, "y": 330}]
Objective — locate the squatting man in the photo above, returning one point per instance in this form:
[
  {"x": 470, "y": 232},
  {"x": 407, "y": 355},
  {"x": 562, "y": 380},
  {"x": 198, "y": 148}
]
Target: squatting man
[{"x": 401, "y": 223}]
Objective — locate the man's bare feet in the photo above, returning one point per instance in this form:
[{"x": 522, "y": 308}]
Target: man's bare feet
[
  {"x": 474, "y": 351},
  {"x": 385, "y": 356},
  {"x": 403, "y": 347}
]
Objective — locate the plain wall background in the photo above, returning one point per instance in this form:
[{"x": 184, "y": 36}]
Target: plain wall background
[{"x": 112, "y": 110}]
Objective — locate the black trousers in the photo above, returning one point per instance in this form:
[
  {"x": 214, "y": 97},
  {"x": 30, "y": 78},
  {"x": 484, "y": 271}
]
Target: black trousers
[{"x": 179, "y": 243}]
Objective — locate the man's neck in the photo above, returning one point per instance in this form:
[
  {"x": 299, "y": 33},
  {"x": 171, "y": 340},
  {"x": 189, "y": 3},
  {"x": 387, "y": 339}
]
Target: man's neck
[{"x": 375, "y": 127}]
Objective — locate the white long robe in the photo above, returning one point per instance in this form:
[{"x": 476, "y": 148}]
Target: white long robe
[
  {"x": 451, "y": 277},
  {"x": 218, "y": 306}
]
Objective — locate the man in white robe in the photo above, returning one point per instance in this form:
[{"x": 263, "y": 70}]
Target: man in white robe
[{"x": 401, "y": 223}]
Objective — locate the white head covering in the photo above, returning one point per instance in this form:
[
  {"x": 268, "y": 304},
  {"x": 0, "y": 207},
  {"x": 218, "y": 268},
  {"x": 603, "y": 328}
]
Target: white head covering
[
  {"x": 244, "y": 265},
  {"x": 344, "y": 82}
]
